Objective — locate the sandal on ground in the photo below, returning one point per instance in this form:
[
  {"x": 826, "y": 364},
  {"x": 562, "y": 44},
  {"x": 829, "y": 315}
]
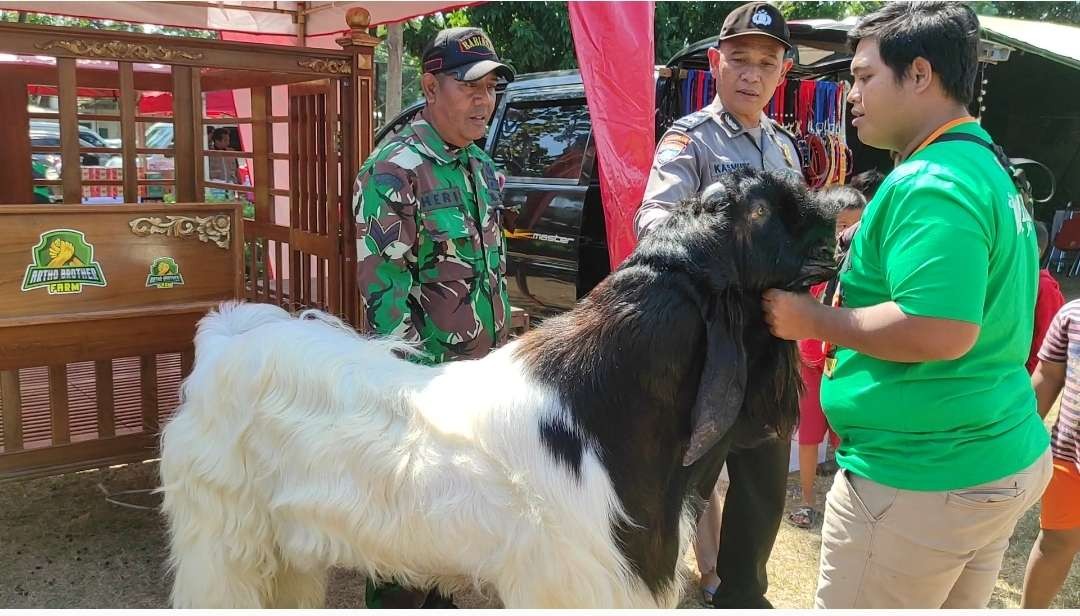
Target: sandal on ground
[
  {"x": 707, "y": 595},
  {"x": 803, "y": 517}
]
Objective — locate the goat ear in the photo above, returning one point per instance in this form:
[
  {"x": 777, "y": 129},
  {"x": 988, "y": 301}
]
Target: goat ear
[{"x": 723, "y": 379}]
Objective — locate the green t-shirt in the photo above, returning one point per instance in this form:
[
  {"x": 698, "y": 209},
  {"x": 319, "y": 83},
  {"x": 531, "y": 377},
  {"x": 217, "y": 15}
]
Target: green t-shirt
[{"x": 946, "y": 236}]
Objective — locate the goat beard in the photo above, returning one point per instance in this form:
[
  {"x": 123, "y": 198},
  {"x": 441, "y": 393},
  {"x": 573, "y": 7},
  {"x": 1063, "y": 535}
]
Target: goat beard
[{"x": 774, "y": 387}]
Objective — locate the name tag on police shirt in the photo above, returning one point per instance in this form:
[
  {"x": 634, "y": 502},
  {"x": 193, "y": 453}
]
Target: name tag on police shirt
[{"x": 725, "y": 165}]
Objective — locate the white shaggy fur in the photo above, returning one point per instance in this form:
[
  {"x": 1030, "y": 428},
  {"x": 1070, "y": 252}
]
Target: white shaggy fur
[{"x": 300, "y": 446}]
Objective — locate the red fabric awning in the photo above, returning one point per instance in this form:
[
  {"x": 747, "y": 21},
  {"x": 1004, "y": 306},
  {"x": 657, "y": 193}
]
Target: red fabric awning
[
  {"x": 219, "y": 103},
  {"x": 40, "y": 90},
  {"x": 323, "y": 18},
  {"x": 614, "y": 46}
]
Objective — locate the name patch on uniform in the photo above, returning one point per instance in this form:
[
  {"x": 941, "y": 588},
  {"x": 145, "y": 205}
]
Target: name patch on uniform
[
  {"x": 670, "y": 147},
  {"x": 720, "y": 168},
  {"x": 439, "y": 199}
]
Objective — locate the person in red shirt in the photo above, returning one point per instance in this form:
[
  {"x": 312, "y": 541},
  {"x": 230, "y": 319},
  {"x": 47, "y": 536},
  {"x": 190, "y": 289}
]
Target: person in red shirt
[
  {"x": 848, "y": 203},
  {"x": 1047, "y": 303}
]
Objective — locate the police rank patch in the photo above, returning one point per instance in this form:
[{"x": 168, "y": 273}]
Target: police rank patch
[{"x": 671, "y": 146}]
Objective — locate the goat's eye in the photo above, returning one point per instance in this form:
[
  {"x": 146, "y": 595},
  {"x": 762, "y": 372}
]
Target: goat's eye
[{"x": 758, "y": 212}]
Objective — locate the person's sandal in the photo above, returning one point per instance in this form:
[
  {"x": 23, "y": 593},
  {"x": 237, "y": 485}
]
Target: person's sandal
[
  {"x": 803, "y": 517},
  {"x": 707, "y": 595}
]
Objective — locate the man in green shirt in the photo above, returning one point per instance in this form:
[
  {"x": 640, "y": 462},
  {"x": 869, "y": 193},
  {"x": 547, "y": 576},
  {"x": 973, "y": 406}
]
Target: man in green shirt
[
  {"x": 430, "y": 248},
  {"x": 941, "y": 449}
]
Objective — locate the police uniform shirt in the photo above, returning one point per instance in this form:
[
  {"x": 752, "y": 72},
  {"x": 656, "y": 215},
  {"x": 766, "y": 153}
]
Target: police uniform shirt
[{"x": 701, "y": 147}]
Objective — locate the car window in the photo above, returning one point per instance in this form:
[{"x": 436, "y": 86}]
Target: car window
[
  {"x": 543, "y": 139},
  {"x": 92, "y": 138},
  {"x": 49, "y": 141},
  {"x": 159, "y": 136}
]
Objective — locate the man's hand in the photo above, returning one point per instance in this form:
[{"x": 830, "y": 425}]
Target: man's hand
[
  {"x": 883, "y": 331},
  {"x": 791, "y": 316}
]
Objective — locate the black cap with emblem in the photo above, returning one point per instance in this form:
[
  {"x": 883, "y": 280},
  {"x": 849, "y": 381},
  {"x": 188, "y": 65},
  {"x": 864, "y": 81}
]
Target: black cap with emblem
[
  {"x": 465, "y": 53},
  {"x": 759, "y": 18}
]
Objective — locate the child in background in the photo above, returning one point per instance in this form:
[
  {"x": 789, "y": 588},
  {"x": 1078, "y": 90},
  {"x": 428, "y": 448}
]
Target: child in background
[
  {"x": 848, "y": 203},
  {"x": 1048, "y": 301},
  {"x": 1059, "y": 518}
]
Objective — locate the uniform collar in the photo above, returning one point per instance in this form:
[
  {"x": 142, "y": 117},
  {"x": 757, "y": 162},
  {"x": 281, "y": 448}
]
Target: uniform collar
[
  {"x": 727, "y": 122},
  {"x": 429, "y": 143}
]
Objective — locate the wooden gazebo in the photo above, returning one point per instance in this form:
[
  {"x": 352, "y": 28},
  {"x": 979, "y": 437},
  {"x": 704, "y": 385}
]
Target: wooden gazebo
[{"x": 91, "y": 356}]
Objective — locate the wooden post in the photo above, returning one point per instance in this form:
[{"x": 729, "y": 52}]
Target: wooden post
[
  {"x": 357, "y": 133},
  {"x": 394, "y": 55},
  {"x": 71, "y": 161},
  {"x": 184, "y": 135},
  {"x": 12, "y": 411},
  {"x": 128, "y": 128},
  {"x": 16, "y": 185}
]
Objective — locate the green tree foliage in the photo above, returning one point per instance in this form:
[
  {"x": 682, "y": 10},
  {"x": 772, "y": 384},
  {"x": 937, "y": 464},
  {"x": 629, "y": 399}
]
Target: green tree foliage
[
  {"x": 830, "y": 9},
  {"x": 677, "y": 24},
  {"x": 1067, "y": 13},
  {"x": 535, "y": 36},
  {"x": 530, "y": 36}
]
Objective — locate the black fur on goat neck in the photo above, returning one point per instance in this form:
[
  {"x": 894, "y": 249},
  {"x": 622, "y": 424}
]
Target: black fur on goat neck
[{"x": 674, "y": 329}]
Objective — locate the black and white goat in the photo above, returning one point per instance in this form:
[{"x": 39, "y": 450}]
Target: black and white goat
[{"x": 563, "y": 470}]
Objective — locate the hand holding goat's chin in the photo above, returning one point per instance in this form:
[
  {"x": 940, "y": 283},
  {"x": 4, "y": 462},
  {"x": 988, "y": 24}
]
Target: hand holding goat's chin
[
  {"x": 792, "y": 316},
  {"x": 572, "y": 478}
]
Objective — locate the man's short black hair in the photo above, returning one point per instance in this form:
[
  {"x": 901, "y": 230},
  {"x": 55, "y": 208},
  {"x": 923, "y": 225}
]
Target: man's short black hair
[
  {"x": 841, "y": 198},
  {"x": 867, "y": 182},
  {"x": 218, "y": 133},
  {"x": 946, "y": 34}
]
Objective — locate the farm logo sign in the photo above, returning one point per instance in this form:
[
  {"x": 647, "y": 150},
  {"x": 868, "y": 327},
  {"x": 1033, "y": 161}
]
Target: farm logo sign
[
  {"x": 63, "y": 261},
  {"x": 164, "y": 274}
]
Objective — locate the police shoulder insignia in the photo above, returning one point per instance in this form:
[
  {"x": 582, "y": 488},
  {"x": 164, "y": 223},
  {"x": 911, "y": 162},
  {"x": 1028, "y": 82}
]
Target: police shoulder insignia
[
  {"x": 782, "y": 129},
  {"x": 671, "y": 146},
  {"x": 730, "y": 123},
  {"x": 691, "y": 121}
]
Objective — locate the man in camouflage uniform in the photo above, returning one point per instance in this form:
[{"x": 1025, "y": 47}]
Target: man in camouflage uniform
[
  {"x": 695, "y": 152},
  {"x": 431, "y": 253},
  {"x": 429, "y": 205}
]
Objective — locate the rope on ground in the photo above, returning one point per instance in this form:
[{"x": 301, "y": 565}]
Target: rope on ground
[{"x": 110, "y": 497}]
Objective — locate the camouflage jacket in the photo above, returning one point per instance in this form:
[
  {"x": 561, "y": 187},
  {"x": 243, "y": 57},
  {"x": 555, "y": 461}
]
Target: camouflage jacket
[{"x": 431, "y": 254}]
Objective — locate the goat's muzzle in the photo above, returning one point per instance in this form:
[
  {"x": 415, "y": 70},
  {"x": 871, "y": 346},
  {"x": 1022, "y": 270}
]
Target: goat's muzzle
[{"x": 819, "y": 266}]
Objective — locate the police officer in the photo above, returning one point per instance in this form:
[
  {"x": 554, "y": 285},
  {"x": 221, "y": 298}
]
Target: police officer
[
  {"x": 732, "y": 132},
  {"x": 428, "y": 209}
]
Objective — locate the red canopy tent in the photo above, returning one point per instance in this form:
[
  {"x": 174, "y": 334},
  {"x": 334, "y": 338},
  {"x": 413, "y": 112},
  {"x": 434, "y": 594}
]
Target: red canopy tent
[
  {"x": 219, "y": 104},
  {"x": 618, "y": 75}
]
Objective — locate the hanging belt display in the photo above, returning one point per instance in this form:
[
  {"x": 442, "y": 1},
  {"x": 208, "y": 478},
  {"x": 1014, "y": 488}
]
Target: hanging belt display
[{"x": 814, "y": 111}]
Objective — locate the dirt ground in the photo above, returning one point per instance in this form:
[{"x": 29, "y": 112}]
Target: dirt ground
[{"x": 65, "y": 546}]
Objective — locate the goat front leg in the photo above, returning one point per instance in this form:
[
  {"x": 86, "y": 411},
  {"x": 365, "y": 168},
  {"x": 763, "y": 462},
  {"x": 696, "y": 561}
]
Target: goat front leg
[
  {"x": 297, "y": 589},
  {"x": 204, "y": 577}
]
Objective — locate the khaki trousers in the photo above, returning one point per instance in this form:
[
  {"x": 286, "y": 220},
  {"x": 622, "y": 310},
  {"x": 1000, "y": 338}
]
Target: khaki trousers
[{"x": 882, "y": 547}]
